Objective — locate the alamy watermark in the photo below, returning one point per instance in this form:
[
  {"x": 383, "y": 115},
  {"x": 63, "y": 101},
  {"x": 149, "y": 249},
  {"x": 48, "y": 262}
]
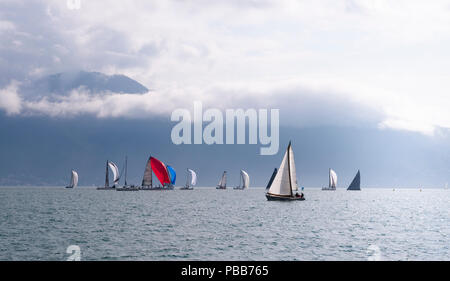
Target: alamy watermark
[
  {"x": 75, "y": 252},
  {"x": 257, "y": 122},
  {"x": 374, "y": 253}
]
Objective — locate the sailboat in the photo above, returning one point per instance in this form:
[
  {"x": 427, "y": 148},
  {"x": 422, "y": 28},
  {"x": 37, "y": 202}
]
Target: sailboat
[
  {"x": 73, "y": 180},
  {"x": 285, "y": 182},
  {"x": 116, "y": 174},
  {"x": 161, "y": 172},
  {"x": 127, "y": 187},
  {"x": 223, "y": 181},
  {"x": 193, "y": 180},
  {"x": 356, "y": 183},
  {"x": 332, "y": 181},
  {"x": 272, "y": 178},
  {"x": 244, "y": 179}
]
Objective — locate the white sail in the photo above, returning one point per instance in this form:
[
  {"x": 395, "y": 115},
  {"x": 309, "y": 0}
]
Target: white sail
[
  {"x": 115, "y": 171},
  {"x": 294, "y": 184},
  {"x": 245, "y": 179},
  {"x": 74, "y": 180},
  {"x": 193, "y": 177},
  {"x": 223, "y": 180},
  {"x": 333, "y": 179},
  {"x": 281, "y": 185}
]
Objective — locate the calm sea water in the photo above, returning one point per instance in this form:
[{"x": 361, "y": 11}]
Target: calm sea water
[{"x": 208, "y": 224}]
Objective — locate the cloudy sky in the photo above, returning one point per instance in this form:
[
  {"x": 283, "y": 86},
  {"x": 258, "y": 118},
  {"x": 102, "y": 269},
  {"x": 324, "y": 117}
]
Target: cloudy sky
[
  {"x": 374, "y": 63},
  {"x": 389, "y": 59}
]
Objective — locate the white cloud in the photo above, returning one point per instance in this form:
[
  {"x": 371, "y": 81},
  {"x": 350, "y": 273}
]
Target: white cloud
[
  {"x": 10, "y": 100},
  {"x": 384, "y": 56}
]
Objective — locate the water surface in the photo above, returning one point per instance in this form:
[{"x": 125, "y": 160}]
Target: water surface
[{"x": 38, "y": 223}]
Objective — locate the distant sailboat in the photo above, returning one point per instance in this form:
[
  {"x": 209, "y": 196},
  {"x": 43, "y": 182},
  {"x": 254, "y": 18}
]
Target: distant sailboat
[
  {"x": 356, "y": 183},
  {"x": 127, "y": 187},
  {"x": 223, "y": 181},
  {"x": 244, "y": 179},
  {"x": 332, "y": 182},
  {"x": 73, "y": 180},
  {"x": 193, "y": 180},
  {"x": 116, "y": 176},
  {"x": 285, "y": 182},
  {"x": 272, "y": 178}
]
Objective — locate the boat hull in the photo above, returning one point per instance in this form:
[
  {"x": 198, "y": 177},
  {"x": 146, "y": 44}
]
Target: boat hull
[
  {"x": 187, "y": 188},
  {"x": 156, "y": 188},
  {"x": 127, "y": 189},
  {"x": 70, "y": 187},
  {"x": 238, "y": 188},
  {"x": 220, "y": 187},
  {"x": 106, "y": 188},
  {"x": 271, "y": 197},
  {"x": 329, "y": 188}
]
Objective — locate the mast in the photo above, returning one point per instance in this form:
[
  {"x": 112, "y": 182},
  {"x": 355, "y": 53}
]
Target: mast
[
  {"x": 107, "y": 175},
  {"x": 187, "y": 178},
  {"x": 126, "y": 169},
  {"x": 289, "y": 167}
]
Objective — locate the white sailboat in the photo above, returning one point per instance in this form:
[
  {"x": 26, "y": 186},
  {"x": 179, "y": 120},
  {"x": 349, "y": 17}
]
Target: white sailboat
[
  {"x": 223, "y": 181},
  {"x": 244, "y": 179},
  {"x": 73, "y": 180},
  {"x": 116, "y": 176},
  {"x": 193, "y": 180},
  {"x": 285, "y": 182},
  {"x": 332, "y": 181}
]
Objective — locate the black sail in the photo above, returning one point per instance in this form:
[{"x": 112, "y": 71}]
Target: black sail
[
  {"x": 356, "y": 183},
  {"x": 272, "y": 178},
  {"x": 147, "y": 180}
]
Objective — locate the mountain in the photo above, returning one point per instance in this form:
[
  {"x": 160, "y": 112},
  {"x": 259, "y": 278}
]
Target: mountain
[
  {"x": 95, "y": 82},
  {"x": 42, "y": 151}
]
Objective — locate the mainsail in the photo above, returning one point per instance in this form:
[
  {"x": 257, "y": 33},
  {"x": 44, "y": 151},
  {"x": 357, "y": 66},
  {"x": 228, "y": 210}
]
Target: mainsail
[
  {"x": 172, "y": 174},
  {"x": 115, "y": 171},
  {"x": 356, "y": 183},
  {"x": 160, "y": 171},
  {"x": 272, "y": 178},
  {"x": 147, "y": 180},
  {"x": 223, "y": 180},
  {"x": 245, "y": 179},
  {"x": 333, "y": 179},
  {"x": 285, "y": 181},
  {"x": 193, "y": 177}
]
